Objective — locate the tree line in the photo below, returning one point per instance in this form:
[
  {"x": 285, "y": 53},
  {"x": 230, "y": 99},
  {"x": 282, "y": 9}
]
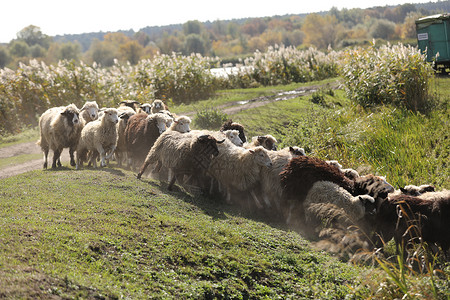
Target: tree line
[{"x": 230, "y": 40}]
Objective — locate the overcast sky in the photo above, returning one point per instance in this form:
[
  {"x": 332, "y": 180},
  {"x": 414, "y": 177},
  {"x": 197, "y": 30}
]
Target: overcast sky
[{"x": 79, "y": 16}]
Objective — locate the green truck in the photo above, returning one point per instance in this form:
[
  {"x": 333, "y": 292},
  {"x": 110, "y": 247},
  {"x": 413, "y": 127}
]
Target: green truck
[{"x": 433, "y": 37}]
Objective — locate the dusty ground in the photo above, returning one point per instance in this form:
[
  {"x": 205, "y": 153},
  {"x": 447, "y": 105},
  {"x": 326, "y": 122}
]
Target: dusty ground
[{"x": 229, "y": 108}]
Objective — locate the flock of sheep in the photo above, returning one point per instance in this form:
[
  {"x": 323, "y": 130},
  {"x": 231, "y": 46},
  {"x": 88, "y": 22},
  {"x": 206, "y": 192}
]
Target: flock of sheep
[{"x": 321, "y": 197}]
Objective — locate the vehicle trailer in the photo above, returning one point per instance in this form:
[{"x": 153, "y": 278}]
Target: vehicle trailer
[{"x": 433, "y": 38}]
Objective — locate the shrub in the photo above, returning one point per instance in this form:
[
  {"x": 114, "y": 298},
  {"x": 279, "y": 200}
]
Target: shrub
[
  {"x": 390, "y": 74},
  {"x": 209, "y": 118}
]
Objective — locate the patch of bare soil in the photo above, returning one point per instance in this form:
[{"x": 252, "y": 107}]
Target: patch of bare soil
[{"x": 228, "y": 108}]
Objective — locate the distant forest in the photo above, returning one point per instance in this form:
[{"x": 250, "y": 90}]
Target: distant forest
[{"x": 229, "y": 40}]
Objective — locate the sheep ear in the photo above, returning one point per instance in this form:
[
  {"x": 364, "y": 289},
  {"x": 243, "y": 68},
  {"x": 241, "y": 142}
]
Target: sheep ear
[
  {"x": 123, "y": 115},
  {"x": 291, "y": 149},
  {"x": 203, "y": 137},
  {"x": 220, "y": 142},
  {"x": 261, "y": 138},
  {"x": 251, "y": 151},
  {"x": 403, "y": 190}
]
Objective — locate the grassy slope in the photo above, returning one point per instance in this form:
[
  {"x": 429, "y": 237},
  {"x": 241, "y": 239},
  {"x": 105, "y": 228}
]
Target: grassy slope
[
  {"x": 103, "y": 233},
  {"x": 124, "y": 237}
]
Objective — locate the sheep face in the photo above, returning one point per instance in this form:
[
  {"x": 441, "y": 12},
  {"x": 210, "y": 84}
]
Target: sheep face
[
  {"x": 161, "y": 123},
  {"x": 182, "y": 124},
  {"x": 111, "y": 115},
  {"x": 72, "y": 116},
  {"x": 297, "y": 151},
  {"x": 261, "y": 157},
  {"x": 92, "y": 108},
  {"x": 157, "y": 105},
  {"x": 233, "y": 136},
  {"x": 146, "y": 107}
]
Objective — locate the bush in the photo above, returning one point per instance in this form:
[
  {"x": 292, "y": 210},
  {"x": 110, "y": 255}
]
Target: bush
[
  {"x": 391, "y": 74},
  {"x": 209, "y": 118}
]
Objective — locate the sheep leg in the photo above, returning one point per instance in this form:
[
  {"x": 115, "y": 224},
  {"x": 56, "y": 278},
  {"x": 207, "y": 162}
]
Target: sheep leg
[
  {"x": 172, "y": 182},
  {"x": 111, "y": 153},
  {"x": 255, "y": 198},
  {"x": 56, "y": 154},
  {"x": 142, "y": 170},
  {"x": 266, "y": 200},
  {"x": 72, "y": 158},
  {"x": 45, "y": 158},
  {"x": 101, "y": 152}
]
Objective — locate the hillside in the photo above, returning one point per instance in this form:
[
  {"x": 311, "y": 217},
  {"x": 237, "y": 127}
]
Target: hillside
[{"x": 104, "y": 234}]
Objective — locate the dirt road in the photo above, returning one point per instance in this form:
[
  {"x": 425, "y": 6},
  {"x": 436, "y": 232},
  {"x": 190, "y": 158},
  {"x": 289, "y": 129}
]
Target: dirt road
[{"x": 228, "y": 108}]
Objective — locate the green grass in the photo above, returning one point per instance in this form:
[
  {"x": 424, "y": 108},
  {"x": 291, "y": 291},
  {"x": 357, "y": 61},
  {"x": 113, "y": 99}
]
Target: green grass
[
  {"x": 26, "y": 135},
  {"x": 85, "y": 234},
  {"x": 226, "y": 96},
  {"x": 19, "y": 159}
]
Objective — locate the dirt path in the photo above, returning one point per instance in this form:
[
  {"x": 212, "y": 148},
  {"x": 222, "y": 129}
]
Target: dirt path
[{"x": 228, "y": 108}]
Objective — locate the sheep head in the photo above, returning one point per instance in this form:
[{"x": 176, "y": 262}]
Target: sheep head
[
  {"x": 92, "y": 109},
  {"x": 260, "y": 156},
  {"x": 297, "y": 151},
  {"x": 72, "y": 114},
  {"x": 110, "y": 115},
  {"x": 181, "y": 124},
  {"x": 233, "y": 136}
]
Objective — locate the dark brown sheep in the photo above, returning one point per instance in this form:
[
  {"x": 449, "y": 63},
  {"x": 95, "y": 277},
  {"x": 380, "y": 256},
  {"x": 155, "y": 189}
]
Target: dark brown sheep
[
  {"x": 407, "y": 217},
  {"x": 141, "y": 132},
  {"x": 302, "y": 172},
  {"x": 230, "y": 125}
]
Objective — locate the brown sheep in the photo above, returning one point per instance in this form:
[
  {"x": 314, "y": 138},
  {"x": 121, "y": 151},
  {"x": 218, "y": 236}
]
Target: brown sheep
[
  {"x": 406, "y": 217},
  {"x": 141, "y": 132},
  {"x": 302, "y": 172},
  {"x": 135, "y": 105}
]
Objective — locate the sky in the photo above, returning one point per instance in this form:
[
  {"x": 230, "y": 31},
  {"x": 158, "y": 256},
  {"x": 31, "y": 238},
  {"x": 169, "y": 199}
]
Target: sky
[{"x": 57, "y": 17}]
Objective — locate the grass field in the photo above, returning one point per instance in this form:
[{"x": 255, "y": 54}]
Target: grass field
[{"x": 104, "y": 234}]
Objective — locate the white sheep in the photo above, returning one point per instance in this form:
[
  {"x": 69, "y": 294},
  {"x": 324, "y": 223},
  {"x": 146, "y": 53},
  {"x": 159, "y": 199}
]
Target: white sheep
[
  {"x": 182, "y": 153},
  {"x": 271, "y": 188},
  {"x": 100, "y": 136},
  {"x": 233, "y": 136},
  {"x": 326, "y": 192},
  {"x": 89, "y": 112},
  {"x": 146, "y": 108},
  {"x": 267, "y": 141},
  {"x": 239, "y": 169},
  {"x": 181, "y": 124},
  {"x": 60, "y": 128}
]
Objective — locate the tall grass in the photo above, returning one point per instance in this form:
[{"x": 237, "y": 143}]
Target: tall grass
[
  {"x": 396, "y": 75},
  {"x": 407, "y": 147}
]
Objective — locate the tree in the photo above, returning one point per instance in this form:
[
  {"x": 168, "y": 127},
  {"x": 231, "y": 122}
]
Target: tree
[
  {"x": 382, "y": 29},
  {"x": 256, "y": 43},
  {"x": 19, "y": 48},
  {"x": 142, "y": 38},
  {"x": 194, "y": 44},
  {"x": 192, "y": 27},
  {"x": 102, "y": 53},
  {"x": 37, "y": 51},
  {"x": 32, "y": 35},
  {"x": 131, "y": 51},
  {"x": 69, "y": 51},
  {"x": 4, "y": 57},
  {"x": 321, "y": 31}
]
